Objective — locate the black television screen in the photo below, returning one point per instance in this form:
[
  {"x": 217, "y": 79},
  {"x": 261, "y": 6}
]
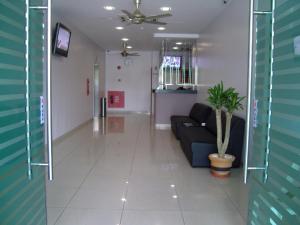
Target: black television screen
[{"x": 61, "y": 40}]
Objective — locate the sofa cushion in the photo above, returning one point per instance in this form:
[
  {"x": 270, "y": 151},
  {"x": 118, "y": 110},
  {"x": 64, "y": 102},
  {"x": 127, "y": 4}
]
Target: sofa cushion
[
  {"x": 200, "y": 112},
  {"x": 197, "y": 134},
  {"x": 197, "y": 143},
  {"x": 178, "y": 121}
]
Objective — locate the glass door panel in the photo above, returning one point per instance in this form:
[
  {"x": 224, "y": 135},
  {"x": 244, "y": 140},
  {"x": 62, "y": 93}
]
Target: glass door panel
[
  {"x": 22, "y": 186},
  {"x": 275, "y": 199}
]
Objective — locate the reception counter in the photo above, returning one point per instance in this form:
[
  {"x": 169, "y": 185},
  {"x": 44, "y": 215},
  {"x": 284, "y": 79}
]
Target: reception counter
[{"x": 172, "y": 102}]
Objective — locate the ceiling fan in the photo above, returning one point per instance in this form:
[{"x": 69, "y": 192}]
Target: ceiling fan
[
  {"x": 137, "y": 17},
  {"x": 125, "y": 52}
]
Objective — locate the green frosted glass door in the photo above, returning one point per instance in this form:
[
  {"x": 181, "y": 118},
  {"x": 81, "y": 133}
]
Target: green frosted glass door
[
  {"x": 275, "y": 188},
  {"x": 22, "y": 138}
]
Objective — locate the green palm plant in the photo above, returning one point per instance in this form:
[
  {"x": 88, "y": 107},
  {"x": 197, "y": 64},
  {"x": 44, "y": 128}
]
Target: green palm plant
[{"x": 229, "y": 100}]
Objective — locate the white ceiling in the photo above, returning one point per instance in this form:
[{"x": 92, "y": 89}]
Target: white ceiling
[{"x": 89, "y": 16}]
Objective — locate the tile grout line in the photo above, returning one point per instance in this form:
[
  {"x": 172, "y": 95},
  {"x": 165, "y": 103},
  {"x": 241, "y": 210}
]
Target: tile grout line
[
  {"x": 130, "y": 172},
  {"x": 79, "y": 187},
  {"x": 70, "y": 153},
  {"x": 233, "y": 203},
  {"x": 176, "y": 192}
]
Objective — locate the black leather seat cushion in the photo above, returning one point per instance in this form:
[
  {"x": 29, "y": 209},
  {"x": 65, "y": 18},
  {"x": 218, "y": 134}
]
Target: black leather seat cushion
[
  {"x": 197, "y": 134},
  {"x": 197, "y": 143},
  {"x": 178, "y": 121}
]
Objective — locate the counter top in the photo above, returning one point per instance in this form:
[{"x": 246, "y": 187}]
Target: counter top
[{"x": 170, "y": 91}]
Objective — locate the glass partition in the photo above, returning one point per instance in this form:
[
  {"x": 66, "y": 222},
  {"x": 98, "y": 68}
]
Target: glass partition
[{"x": 176, "y": 63}]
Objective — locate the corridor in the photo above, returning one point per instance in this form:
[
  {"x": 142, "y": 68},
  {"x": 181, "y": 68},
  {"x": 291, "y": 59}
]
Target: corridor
[{"x": 123, "y": 171}]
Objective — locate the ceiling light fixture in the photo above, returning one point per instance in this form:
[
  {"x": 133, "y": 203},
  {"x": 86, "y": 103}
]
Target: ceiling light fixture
[
  {"x": 125, "y": 39},
  {"x": 129, "y": 47},
  {"x": 109, "y": 8},
  {"x": 175, "y": 196},
  {"x": 165, "y": 9},
  {"x": 175, "y": 48},
  {"x": 161, "y": 28},
  {"x": 119, "y": 28},
  {"x": 179, "y": 43}
]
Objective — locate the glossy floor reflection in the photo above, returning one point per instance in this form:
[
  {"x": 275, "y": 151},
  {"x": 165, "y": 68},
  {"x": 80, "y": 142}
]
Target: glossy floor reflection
[{"x": 128, "y": 173}]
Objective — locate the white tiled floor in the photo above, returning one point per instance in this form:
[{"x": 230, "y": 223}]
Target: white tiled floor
[{"x": 132, "y": 176}]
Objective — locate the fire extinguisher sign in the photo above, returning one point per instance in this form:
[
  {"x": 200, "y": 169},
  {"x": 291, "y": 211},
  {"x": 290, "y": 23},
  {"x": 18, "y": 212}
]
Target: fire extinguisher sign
[{"x": 116, "y": 99}]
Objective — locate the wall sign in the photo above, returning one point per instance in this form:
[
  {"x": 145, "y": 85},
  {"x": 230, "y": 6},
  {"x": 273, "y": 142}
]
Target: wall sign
[
  {"x": 297, "y": 45},
  {"x": 116, "y": 99},
  {"x": 42, "y": 111},
  {"x": 255, "y": 113}
]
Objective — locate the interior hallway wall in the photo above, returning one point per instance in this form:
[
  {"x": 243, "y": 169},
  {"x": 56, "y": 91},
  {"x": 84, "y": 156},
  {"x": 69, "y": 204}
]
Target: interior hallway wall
[
  {"x": 223, "y": 50},
  {"x": 133, "y": 77},
  {"x": 71, "y": 105}
]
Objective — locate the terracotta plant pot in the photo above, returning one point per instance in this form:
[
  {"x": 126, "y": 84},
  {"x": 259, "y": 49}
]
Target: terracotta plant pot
[{"x": 220, "y": 167}]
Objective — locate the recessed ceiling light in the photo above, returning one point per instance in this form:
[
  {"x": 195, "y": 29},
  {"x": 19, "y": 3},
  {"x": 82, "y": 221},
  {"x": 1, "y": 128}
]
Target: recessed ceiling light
[
  {"x": 129, "y": 47},
  {"x": 125, "y": 39},
  {"x": 165, "y": 9},
  {"x": 179, "y": 43},
  {"x": 175, "y": 48},
  {"x": 123, "y": 199},
  {"x": 109, "y": 7},
  {"x": 119, "y": 28},
  {"x": 175, "y": 196},
  {"x": 161, "y": 28},
  {"x": 172, "y": 185}
]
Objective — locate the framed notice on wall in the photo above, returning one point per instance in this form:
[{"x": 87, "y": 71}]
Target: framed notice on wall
[{"x": 116, "y": 99}]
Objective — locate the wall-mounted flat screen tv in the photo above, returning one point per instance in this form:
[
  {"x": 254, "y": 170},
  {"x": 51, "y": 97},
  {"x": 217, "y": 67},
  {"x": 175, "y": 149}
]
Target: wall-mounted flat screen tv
[
  {"x": 172, "y": 61},
  {"x": 61, "y": 40}
]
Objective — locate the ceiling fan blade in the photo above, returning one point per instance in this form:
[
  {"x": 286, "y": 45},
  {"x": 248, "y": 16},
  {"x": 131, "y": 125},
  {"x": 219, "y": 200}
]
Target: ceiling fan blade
[
  {"x": 158, "y": 16},
  {"x": 123, "y": 18},
  {"x": 126, "y": 20},
  {"x": 128, "y": 13},
  {"x": 155, "y": 22}
]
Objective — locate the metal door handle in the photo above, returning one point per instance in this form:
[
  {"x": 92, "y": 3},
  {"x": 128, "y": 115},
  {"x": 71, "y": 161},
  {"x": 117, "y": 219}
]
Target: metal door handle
[
  {"x": 49, "y": 94},
  {"x": 249, "y": 102},
  {"x": 49, "y": 162},
  {"x": 249, "y": 91}
]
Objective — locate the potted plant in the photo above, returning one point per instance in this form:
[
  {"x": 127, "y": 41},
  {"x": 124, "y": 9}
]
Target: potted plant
[{"x": 229, "y": 101}]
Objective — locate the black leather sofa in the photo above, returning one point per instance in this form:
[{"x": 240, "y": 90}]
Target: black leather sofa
[
  {"x": 198, "y": 115},
  {"x": 198, "y": 135}
]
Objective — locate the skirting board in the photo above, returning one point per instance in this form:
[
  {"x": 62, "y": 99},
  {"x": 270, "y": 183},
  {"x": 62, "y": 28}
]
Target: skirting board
[
  {"x": 111, "y": 111},
  {"x": 163, "y": 126},
  {"x": 69, "y": 133}
]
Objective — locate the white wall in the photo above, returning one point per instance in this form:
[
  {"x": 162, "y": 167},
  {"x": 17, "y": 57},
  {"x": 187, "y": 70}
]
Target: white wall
[
  {"x": 134, "y": 78},
  {"x": 71, "y": 105},
  {"x": 224, "y": 54}
]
